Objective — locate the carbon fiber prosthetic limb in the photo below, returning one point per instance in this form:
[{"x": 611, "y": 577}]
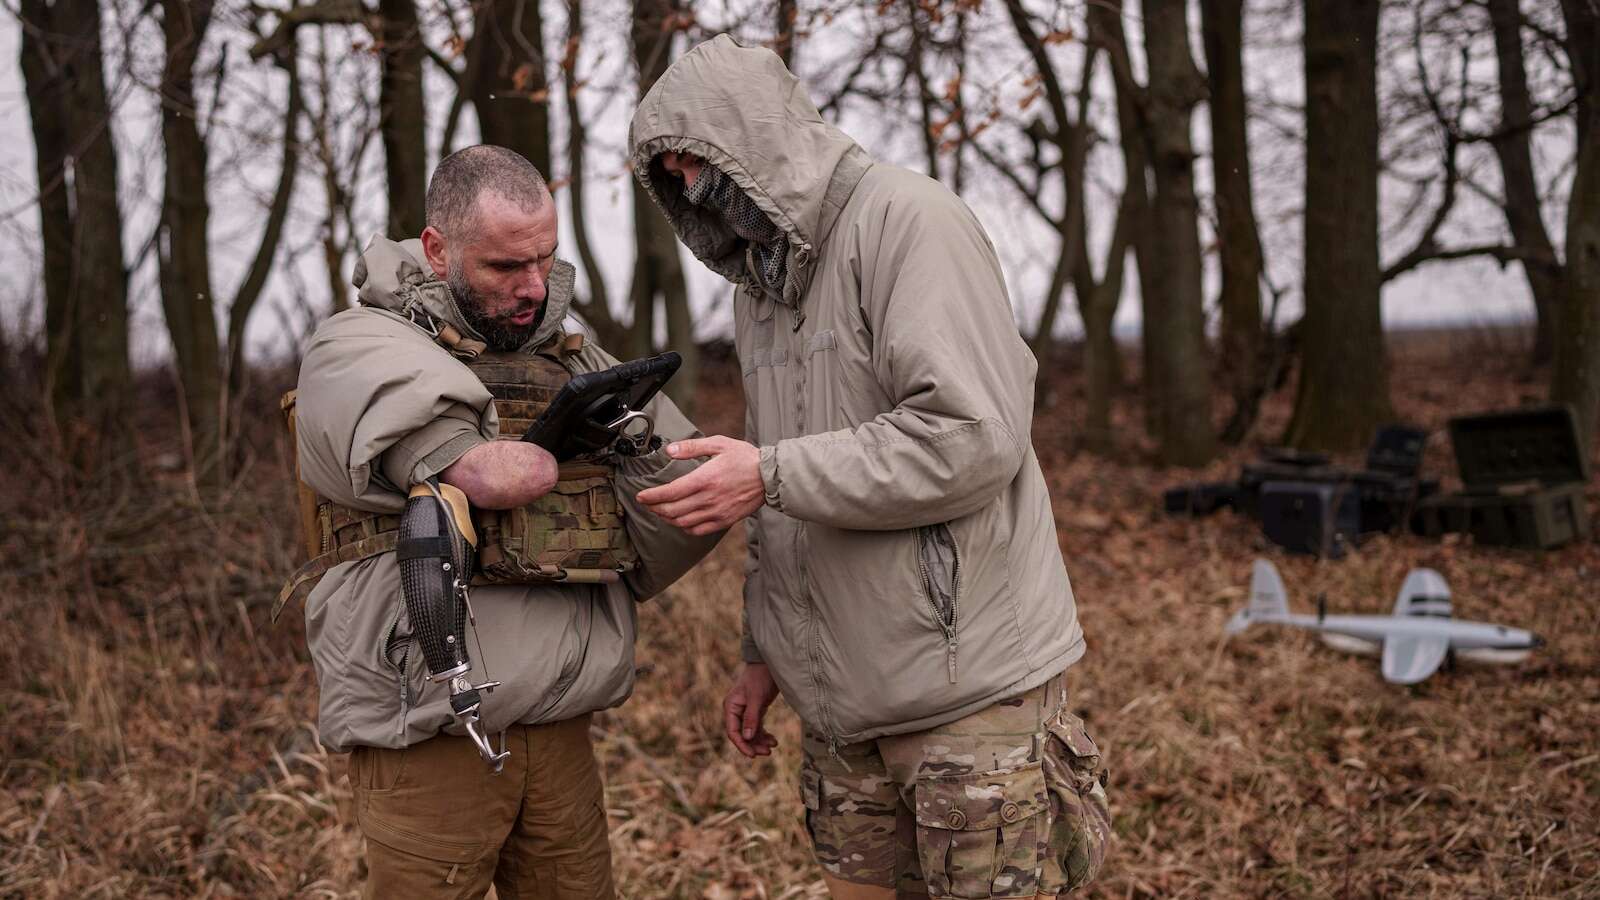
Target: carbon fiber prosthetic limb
[{"x": 435, "y": 550}]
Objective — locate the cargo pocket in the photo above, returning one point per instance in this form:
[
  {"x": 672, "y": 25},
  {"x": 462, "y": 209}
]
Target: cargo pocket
[
  {"x": 981, "y": 835},
  {"x": 423, "y": 804},
  {"x": 1080, "y": 816}
]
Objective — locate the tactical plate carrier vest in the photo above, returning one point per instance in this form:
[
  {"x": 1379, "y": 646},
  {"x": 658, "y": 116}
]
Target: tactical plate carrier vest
[{"x": 573, "y": 534}]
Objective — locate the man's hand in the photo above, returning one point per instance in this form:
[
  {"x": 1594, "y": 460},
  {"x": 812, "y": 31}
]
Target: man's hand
[
  {"x": 746, "y": 706},
  {"x": 714, "y": 496}
]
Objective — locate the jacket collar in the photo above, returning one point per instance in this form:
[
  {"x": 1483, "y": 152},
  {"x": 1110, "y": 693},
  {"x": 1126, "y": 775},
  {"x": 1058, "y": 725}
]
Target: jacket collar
[{"x": 395, "y": 276}]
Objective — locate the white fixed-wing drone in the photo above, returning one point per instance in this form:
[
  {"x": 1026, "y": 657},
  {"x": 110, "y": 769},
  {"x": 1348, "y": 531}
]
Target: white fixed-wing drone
[{"x": 1414, "y": 640}]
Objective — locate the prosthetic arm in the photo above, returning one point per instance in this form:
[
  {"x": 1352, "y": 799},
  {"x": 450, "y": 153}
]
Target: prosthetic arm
[{"x": 435, "y": 550}]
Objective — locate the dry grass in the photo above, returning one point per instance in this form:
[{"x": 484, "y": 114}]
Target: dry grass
[{"x": 156, "y": 735}]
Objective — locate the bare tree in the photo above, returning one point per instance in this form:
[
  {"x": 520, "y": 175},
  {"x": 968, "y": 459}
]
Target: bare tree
[
  {"x": 1106, "y": 30},
  {"x": 1456, "y": 26},
  {"x": 596, "y": 310},
  {"x": 1521, "y": 200},
  {"x": 657, "y": 269},
  {"x": 184, "y": 255},
  {"x": 1242, "y": 356},
  {"x": 1576, "y": 378},
  {"x": 1174, "y": 328},
  {"x": 786, "y": 15},
  {"x": 916, "y": 66},
  {"x": 1344, "y": 382},
  {"x": 184, "y": 251},
  {"x": 402, "y": 116},
  {"x": 1066, "y": 134},
  {"x": 86, "y": 284},
  {"x": 507, "y": 79}
]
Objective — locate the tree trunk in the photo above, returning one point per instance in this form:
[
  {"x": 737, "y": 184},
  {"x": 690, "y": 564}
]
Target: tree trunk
[
  {"x": 1576, "y": 379},
  {"x": 1098, "y": 305},
  {"x": 1516, "y": 171},
  {"x": 45, "y": 81},
  {"x": 657, "y": 269},
  {"x": 1344, "y": 381},
  {"x": 401, "y": 115},
  {"x": 1242, "y": 345},
  {"x": 1105, "y": 28},
  {"x": 919, "y": 79},
  {"x": 510, "y": 88},
  {"x": 785, "y": 39},
  {"x": 335, "y": 199},
  {"x": 87, "y": 351},
  {"x": 255, "y": 278},
  {"x": 184, "y": 255},
  {"x": 1184, "y": 389},
  {"x": 597, "y": 309}
]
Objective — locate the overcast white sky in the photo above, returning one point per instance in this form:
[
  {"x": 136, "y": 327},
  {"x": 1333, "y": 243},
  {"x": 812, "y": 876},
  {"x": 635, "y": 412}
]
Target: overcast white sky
[{"x": 244, "y": 164}]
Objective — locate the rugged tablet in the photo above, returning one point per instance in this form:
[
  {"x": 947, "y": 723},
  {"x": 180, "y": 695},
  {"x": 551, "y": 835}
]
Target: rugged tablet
[{"x": 602, "y": 410}]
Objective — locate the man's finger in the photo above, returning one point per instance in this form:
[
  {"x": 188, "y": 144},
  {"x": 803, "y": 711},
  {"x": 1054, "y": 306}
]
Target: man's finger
[
  {"x": 676, "y": 489},
  {"x": 730, "y": 725},
  {"x": 752, "y": 720},
  {"x": 694, "y": 448},
  {"x": 691, "y": 516},
  {"x": 677, "y": 510}
]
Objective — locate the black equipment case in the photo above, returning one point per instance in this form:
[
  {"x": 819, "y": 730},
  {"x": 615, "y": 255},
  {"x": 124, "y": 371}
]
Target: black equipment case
[
  {"x": 1322, "y": 518},
  {"x": 1524, "y": 475},
  {"x": 1386, "y": 491}
]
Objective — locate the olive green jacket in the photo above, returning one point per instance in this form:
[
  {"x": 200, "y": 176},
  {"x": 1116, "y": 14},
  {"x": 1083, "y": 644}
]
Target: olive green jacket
[
  {"x": 904, "y": 571},
  {"x": 382, "y": 406}
]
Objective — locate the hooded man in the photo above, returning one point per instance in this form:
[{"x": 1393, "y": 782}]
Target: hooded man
[
  {"x": 905, "y": 590},
  {"x": 397, "y": 393}
]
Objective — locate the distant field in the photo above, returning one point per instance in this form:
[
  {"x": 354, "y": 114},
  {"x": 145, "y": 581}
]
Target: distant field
[{"x": 156, "y": 733}]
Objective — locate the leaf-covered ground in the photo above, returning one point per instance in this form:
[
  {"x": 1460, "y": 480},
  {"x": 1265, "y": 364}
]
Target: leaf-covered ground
[{"x": 157, "y": 735}]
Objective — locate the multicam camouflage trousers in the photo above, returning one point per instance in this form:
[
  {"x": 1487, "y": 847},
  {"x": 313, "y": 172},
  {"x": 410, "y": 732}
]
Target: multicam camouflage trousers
[{"x": 1007, "y": 802}]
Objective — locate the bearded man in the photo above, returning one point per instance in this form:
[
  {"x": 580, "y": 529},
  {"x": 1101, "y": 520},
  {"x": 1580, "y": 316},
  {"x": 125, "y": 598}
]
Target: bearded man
[
  {"x": 460, "y": 337},
  {"x": 905, "y": 590}
]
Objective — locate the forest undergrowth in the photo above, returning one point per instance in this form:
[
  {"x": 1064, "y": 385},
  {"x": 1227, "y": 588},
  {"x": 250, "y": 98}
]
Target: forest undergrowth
[{"x": 157, "y": 733}]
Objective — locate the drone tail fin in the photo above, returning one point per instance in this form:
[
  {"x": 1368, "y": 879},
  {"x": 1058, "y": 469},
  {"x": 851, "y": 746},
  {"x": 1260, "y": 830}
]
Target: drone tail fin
[{"x": 1269, "y": 600}]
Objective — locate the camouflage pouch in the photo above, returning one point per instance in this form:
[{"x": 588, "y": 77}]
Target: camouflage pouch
[
  {"x": 1080, "y": 815},
  {"x": 980, "y": 835},
  {"x": 574, "y": 533}
]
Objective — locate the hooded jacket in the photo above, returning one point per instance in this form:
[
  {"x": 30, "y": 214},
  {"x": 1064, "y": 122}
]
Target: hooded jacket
[
  {"x": 382, "y": 406},
  {"x": 904, "y": 571}
]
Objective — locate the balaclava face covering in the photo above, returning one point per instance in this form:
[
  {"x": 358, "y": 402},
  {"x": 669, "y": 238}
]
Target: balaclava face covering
[{"x": 715, "y": 191}]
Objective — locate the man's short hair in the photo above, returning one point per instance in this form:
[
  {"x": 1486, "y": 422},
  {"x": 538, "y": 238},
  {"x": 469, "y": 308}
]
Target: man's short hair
[{"x": 462, "y": 177}]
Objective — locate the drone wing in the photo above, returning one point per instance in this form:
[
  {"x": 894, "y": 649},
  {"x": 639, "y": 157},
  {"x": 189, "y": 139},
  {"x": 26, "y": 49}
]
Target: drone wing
[
  {"x": 1408, "y": 660},
  {"x": 1424, "y": 593}
]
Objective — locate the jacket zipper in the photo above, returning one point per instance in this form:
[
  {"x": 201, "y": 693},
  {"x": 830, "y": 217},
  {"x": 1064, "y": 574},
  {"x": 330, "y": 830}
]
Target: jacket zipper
[
  {"x": 949, "y": 628},
  {"x": 814, "y": 653},
  {"x": 400, "y": 670},
  {"x": 796, "y": 312}
]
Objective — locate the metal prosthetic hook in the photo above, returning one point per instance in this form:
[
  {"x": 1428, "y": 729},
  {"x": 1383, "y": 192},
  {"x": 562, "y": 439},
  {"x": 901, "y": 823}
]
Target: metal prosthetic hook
[{"x": 465, "y": 702}]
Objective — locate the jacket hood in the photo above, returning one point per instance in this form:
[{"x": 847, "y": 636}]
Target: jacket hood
[
  {"x": 740, "y": 109},
  {"x": 396, "y": 276}
]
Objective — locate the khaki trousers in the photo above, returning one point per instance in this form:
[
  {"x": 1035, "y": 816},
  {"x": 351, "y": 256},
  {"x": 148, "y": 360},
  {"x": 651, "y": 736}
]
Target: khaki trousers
[{"x": 440, "y": 825}]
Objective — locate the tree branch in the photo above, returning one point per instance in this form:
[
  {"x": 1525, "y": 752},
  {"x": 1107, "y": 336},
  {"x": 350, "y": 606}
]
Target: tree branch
[
  {"x": 848, "y": 86},
  {"x": 244, "y": 300},
  {"x": 1528, "y": 256},
  {"x": 323, "y": 12}
]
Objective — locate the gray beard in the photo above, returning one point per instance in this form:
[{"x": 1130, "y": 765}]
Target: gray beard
[{"x": 500, "y": 336}]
